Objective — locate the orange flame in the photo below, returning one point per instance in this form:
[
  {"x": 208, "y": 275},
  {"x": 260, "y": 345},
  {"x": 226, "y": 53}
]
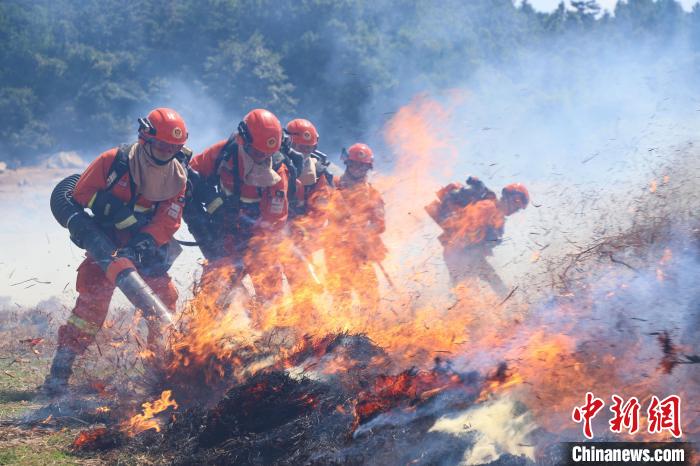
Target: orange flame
[
  {"x": 146, "y": 421},
  {"x": 419, "y": 318},
  {"x": 408, "y": 387},
  {"x": 86, "y": 438},
  {"x": 412, "y": 325}
]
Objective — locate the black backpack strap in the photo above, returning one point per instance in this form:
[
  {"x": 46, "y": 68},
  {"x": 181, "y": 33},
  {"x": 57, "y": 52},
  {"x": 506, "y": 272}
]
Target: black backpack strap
[
  {"x": 279, "y": 159},
  {"x": 228, "y": 152},
  {"x": 330, "y": 178},
  {"x": 470, "y": 195},
  {"x": 184, "y": 156},
  {"x": 235, "y": 167},
  {"x": 321, "y": 157},
  {"x": 120, "y": 167}
]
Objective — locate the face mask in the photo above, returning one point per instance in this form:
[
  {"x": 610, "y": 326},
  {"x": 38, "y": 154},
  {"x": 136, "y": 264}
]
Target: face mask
[
  {"x": 308, "y": 174},
  {"x": 259, "y": 173},
  {"x": 155, "y": 182}
]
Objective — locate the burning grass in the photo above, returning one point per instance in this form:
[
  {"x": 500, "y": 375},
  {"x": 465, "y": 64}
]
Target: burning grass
[{"x": 311, "y": 413}]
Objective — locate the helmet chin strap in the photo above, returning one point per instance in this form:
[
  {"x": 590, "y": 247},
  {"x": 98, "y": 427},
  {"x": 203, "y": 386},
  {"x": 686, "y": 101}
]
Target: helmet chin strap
[{"x": 149, "y": 152}]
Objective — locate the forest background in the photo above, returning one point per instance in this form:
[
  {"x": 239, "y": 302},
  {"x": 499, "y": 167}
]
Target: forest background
[{"x": 76, "y": 78}]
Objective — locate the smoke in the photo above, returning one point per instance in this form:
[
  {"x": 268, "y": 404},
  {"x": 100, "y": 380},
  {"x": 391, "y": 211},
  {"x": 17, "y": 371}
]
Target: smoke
[
  {"x": 207, "y": 121},
  {"x": 499, "y": 426},
  {"x": 602, "y": 132},
  {"x": 582, "y": 120},
  {"x": 579, "y": 119}
]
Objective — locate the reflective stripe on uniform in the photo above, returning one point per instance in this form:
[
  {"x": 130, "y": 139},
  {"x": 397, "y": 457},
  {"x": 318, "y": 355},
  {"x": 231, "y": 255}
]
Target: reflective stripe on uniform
[
  {"x": 142, "y": 209},
  {"x": 83, "y": 325},
  {"x": 249, "y": 200},
  {"x": 126, "y": 223},
  {"x": 92, "y": 200},
  {"x": 215, "y": 204}
]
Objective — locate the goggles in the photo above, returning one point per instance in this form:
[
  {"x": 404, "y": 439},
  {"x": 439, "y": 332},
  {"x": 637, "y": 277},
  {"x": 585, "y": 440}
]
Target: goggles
[
  {"x": 358, "y": 165},
  {"x": 304, "y": 148},
  {"x": 256, "y": 154},
  {"x": 164, "y": 146}
]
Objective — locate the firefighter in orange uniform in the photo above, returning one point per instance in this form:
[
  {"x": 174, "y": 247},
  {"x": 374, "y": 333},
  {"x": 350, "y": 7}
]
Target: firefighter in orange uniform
[
  {"x": 136, "y": 194},
  {"x": 309, "y": 196},
  {"x": 473, "y": 221},
  {"x": 313, "y": 181},
  {"x": 242, "y": 198},
  {"x": 353, "y": 244}
]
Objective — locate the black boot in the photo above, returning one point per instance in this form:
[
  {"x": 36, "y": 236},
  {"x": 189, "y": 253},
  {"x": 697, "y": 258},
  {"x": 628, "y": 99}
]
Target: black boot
[{"x": 56, "y": 383}]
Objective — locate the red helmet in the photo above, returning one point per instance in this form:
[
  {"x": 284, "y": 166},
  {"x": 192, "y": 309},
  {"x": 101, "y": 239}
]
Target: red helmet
[
  {"x": 260, "y": 131},
  {"x": 359, "y": 152},
  {"x": 518, "y": 192},
  {"x": 164, "y": 125},
  {"x": 302, "y": 132}
]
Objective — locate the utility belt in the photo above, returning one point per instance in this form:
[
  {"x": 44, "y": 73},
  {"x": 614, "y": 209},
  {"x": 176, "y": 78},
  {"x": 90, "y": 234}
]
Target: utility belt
[{"x": 483, "y": 248}]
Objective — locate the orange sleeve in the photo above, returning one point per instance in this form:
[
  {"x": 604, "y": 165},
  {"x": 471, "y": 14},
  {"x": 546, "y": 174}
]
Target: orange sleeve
[
  {"x": 205, "y": 163},
  {"x": 376, "y": 214},
  {"x": 94, "y": 178},
  {"x": 166, "y": 220}
]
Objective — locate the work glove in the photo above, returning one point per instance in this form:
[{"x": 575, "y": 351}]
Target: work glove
[
  {"x": 107, "y": 208},
  {"x": 203, "y": 192},
  {"x": 140, "y": 249},
  {"x": 212, "y": 201}
]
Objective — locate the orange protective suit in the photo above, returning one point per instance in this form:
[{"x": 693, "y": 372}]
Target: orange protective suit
[
  {"x": 94, "y": 289},
  {"x": 252, "y": 229},
  {"x": 353, "y": 243},
  {"x": 469, "y": 235}
]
